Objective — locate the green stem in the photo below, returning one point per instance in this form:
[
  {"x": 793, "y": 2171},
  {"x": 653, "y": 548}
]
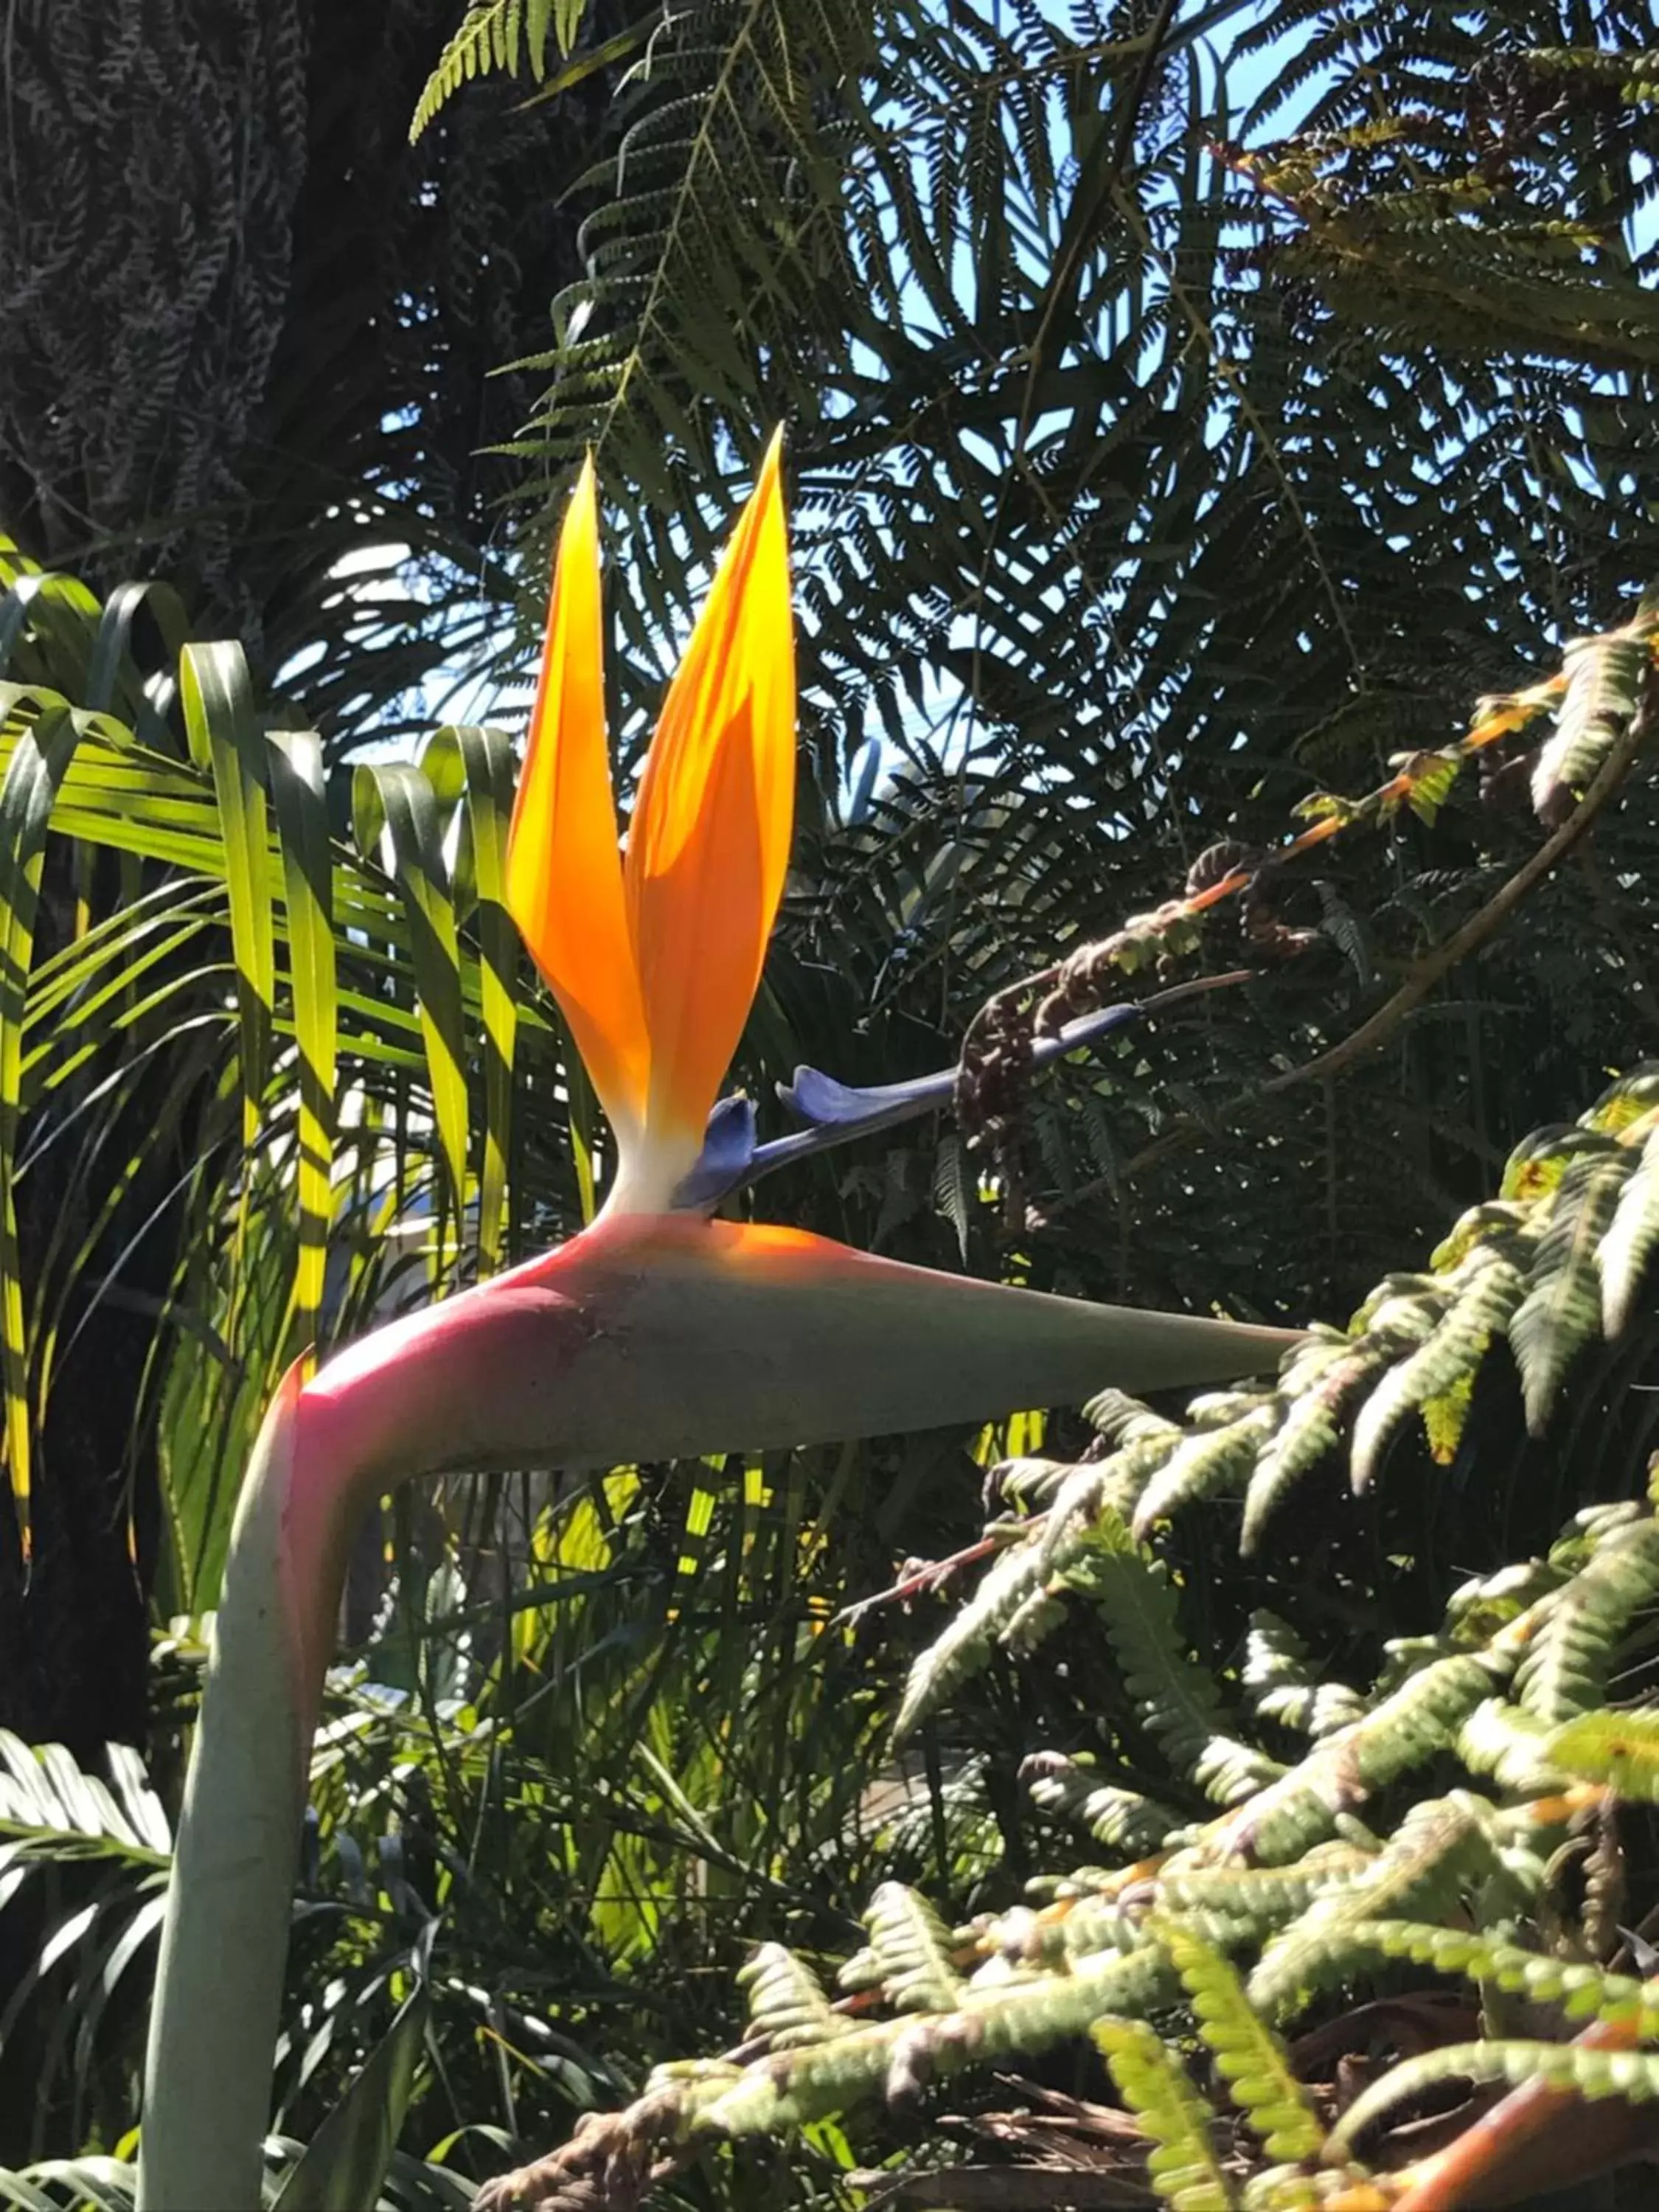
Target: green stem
[{"x": 224, "y": 1940}]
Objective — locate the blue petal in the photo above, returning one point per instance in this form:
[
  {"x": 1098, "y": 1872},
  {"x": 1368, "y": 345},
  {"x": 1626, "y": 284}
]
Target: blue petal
[
  {"x": 834, "y": 1113},
  {"x": 820, "y": 1100},
  {"x": 724, "y": 1164}
]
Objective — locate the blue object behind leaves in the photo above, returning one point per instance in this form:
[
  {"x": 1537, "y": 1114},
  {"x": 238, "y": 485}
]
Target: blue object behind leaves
[{"x": 835, "y": 1113}]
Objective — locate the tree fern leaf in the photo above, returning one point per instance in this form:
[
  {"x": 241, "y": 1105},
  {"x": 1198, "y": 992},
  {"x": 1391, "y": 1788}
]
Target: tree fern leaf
[
  {"x": 1184, "y": 2168},
  {"x": 1583, "y": 1990},
  {"x": 1442, "y": 1364},
  {"x": 1629, "y": 1098},
  {"x": 1480, "y": 1608},
  {"x": 1621, "y": 1749},
  {"x": 1312, "y": 1423},
  {"x": 1511, "y": 1745},
  {"x": 1123, "y": 1818},
  {"x": 1579, "y": 2069},
  {"x": 965, "y": 1645},
  {"x": 788, "y": 2089},
  {"x": 913, "y": 1946},
  {"x": 1234, "y": 1905},
  {"x": 488, "y": 39},
  {"x": 953, "y": 1193},
  {"x": 787, "y": 2005},
  {"x": 1439, "y": 1849},
  {"x": 1566, "y": 1672},
  {"x": 1174, "y": 1697},
  {"x": 1212, "y": 1460},
  {"x": 1624, "y": 1254},
  {"x": 1604, "y": 687},
  {"x": 1562, "y": 1309},
  {"x": 1144, "y": 1441},
  {"x": 1414, "y": 1721},
  {"x": 1280, "y": 1684},
  {"x": 1248, "y": 2055},
  {"x": 1030, "y": 1622}
]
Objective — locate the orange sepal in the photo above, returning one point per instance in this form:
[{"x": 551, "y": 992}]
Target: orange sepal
[
  {"x": 709, "y": 842},
  {"x": 564, "y": 883}
]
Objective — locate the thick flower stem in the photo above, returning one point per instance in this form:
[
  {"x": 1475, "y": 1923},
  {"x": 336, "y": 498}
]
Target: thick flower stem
[{"x": 224, "y": 1940}]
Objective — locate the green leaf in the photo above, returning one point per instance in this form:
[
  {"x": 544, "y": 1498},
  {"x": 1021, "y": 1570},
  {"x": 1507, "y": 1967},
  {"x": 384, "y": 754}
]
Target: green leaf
[
  {"x": 399, "y": 800},
  {"x": 33, "y": 775},
  {"x": 218, "y": 695},
  {"x": 1621, "y": 1749},
  {"x": 300, "y": 807},
  {"x": 1185, "y": 2170},
  {"x": 1250, "y": 2057},
  {"x": 787, "y": 2004},
  {"x": 346, "y": 2160},
  {"x": 1577, "y": 2068},
  {"x": 482, "y": 761}
]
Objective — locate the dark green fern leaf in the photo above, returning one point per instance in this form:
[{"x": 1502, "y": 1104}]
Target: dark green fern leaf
[
  {"x": 1605, "y": 677},
  {"x": 1562, "y": 1310},
  {"x": 1174, "y": 1696},
  {"x": 1625, "y": 1251},
  {"x": 1441, "y": 1848},
  {"x": 1566, "y": 1671}
]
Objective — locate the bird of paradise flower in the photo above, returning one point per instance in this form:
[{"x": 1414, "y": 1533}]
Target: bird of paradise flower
[{"x": 659, "y": 1333}]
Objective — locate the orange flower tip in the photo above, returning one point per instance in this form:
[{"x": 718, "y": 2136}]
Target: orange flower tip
[
  {"x": 709, "y": 842},
  {"x": 563, "y": 876}
]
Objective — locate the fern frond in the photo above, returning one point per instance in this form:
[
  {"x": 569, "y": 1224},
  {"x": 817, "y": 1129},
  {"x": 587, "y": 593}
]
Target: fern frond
[
  {"x": 1248, "y": 2055},
  {"x": 1123, "y": 1819},
  {"x": 1605, "y": 677},
  {"x": 911, "y": 1946},
  {"x": 1582, "y": 1991},
  {"x": 1621, "y": 1749},
  {"x": 1441, "y": 1370},
  {"x": 1184, "y": 2168},
  {"x": 789, "y": 2090},
  {"x": 1441, "y": 1848},
  {"x": 491, "y": 35},
  {"x": 1311, "y": 1428},
  {"x": 1566, "y": 1672},
  {"x": 1174, "y": 1696},
  {"x": 1021, "y": 1574},
  {"x": 1500, "y": 1739},
  {"x": 1237, "y": 1905},
  {"x": 1281, "y": 1685},
  {"x": 1479, "y": 1610},
  {"x": 787, "y": 2005},
  {"x": 1624, "y": 1254},
  {"x": 1142, "y": 1442},
  {"x": 1576, "y": 2068},
  {"x": 1562, "y": 1310},
  {"x": 1417, "y": 1720},
  {"x": 1212, "y": 1459}
]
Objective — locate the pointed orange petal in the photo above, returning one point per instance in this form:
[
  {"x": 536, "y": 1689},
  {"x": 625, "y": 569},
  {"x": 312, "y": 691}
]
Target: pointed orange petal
[
  {"x": 564, "y": 886},
  {"x": 709, "y": 841}
]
